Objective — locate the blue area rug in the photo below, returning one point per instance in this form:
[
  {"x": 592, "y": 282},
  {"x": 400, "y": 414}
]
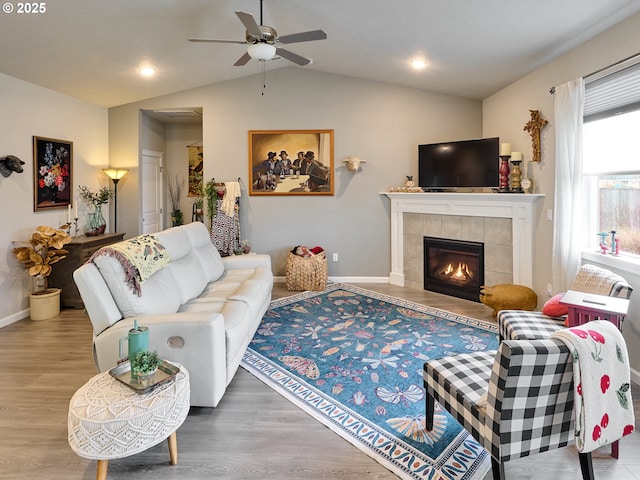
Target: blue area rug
[{"x": 353, "y": 359}]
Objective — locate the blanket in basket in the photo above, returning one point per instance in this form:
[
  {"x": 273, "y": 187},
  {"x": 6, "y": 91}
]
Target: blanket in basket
[
  {"x": 601, "y": 377},
  {"x": 140, "y": 257}
]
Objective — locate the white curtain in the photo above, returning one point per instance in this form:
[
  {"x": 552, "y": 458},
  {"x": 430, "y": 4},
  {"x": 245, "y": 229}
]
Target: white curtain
[{"x": 569, "y": 206}]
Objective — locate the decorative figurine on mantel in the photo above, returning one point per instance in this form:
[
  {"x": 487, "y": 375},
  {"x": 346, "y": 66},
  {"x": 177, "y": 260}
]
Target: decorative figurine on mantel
[
  {"x": 409, "y": 186},
  {"x": 534, "y": 126}
]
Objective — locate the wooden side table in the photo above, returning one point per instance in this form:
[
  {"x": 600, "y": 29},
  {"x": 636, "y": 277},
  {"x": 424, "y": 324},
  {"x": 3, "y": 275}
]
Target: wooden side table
[
  {"x": 80, "y": 250},
  {"x": 585, "y": 307}
]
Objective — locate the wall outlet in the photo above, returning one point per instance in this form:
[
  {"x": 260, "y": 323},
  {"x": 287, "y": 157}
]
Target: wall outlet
[
  {"x": 335, "y": 257},
  {"x": 550, "y": 215},
  {"x": 549, "y": 289}
]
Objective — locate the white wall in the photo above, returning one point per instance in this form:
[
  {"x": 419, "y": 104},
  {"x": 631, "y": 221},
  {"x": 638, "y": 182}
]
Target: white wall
[
  {"x": 506, "y": 113},
  {"x": 29, "y": 110},
  {"x": 380, "y": 123},
  {"x": 177, "y": 161}
]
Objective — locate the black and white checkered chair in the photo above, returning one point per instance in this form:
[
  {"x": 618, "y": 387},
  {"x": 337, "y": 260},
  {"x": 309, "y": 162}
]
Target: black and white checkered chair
[
  {"x": 523, "y": 325},
  {"x": 515, "y": 402}
]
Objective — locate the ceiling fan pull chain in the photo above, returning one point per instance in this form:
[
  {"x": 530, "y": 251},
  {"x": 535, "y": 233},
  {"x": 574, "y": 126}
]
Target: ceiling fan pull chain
[{"x": 264, "y": 83}]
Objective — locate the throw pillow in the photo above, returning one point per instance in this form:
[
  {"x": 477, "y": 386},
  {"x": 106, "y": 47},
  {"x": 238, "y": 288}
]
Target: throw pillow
[{"x": 554, "y": 308}]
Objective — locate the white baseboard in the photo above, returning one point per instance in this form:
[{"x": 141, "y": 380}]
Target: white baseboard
[
  {"x": 344, "y": 279},
  {"x": 14, "y": 318}
]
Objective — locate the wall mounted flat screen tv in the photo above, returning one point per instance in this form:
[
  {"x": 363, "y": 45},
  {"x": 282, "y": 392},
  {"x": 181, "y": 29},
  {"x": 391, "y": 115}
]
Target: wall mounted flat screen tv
[{"x": 464, "y": 164}]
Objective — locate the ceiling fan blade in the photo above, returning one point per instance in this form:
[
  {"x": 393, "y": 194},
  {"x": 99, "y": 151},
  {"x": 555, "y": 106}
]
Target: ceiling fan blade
[
  {"x": 249, "y": 23},
  {"x": 242, "y": 60},
  {"x": 210, "y": 40},
  {"x": 293, "y": 57},
  {"x": 302, "y": 37}
]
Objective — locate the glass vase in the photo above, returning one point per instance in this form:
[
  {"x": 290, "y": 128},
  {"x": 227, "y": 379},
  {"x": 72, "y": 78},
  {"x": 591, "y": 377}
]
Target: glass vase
[{"x": 96, "y": 224}]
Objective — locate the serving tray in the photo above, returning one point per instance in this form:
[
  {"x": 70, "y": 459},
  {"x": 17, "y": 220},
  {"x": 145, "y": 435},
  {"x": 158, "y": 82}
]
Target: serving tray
[{"x": 165, "y": 373}]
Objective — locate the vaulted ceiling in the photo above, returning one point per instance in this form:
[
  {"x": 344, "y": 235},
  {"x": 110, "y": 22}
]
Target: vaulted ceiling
[{"x": 92, "y": 49}]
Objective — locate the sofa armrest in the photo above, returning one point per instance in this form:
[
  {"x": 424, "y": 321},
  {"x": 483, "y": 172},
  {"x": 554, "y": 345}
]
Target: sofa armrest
[
  {"x": 235, "y": 262},
  {"x": 195, "y": 340}
]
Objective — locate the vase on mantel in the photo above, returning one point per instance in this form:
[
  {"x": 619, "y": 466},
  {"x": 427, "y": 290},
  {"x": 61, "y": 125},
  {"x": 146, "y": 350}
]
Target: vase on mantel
[{"x": 96, "y": 224}]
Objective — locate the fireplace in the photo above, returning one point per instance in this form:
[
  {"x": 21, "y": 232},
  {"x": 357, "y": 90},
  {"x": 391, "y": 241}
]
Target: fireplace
[{"x": 454, "y": 267}]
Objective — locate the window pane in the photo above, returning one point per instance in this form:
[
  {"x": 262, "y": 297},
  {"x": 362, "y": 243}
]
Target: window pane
[
  {"x": 611, "y": 144},
  {"x": 619, "y": 199}
]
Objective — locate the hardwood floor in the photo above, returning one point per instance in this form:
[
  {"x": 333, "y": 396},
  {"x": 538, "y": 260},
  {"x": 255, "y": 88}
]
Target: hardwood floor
[{"x": 254, "y": 433}]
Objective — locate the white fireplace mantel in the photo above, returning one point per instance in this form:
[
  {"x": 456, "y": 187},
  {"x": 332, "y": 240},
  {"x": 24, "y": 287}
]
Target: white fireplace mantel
[{"x": 520, "y": 208}]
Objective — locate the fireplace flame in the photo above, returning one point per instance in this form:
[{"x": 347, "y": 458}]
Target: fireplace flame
[{"x": 461, "y": 273}]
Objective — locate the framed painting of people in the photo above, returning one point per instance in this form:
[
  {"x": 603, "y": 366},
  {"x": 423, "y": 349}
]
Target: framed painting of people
[
  {"x": 196, "y": 163},
  {"x": 291, "y": 162},
  {"x": 52, "y": 173}
]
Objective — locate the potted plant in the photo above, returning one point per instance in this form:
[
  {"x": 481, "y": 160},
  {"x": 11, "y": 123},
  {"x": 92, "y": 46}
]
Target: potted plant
[
  {"x": 198, "y": 207},
  {"x": 96, "y": 224},
  {"x": 175, "y": 188},
  {"x": 144, "y": 365},
  {"x": 44, "y": 249}
]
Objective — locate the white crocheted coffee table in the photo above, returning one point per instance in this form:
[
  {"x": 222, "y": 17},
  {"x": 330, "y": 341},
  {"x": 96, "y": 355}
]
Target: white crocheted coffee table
[{"x": 109, "y": 420}]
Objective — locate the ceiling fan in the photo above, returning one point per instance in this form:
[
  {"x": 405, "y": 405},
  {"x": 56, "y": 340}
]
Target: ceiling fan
[{"x": 264, "y": 43}]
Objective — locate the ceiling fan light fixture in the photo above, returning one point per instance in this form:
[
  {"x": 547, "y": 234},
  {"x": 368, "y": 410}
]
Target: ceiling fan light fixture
[
  {"x": 147, "y": 71},
  {"x": 261, "y": 51},
  {"x": 418, "y": 64}
]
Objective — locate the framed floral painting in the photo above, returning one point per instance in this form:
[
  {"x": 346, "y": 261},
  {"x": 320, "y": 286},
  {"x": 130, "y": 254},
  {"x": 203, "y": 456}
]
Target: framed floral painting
[{"x": 52, "y": 170}]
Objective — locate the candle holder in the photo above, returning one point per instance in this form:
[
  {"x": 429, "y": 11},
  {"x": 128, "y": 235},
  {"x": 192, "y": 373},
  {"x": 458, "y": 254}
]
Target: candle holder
[
  {"x": 75, "y": 227},
  {"x": 504, "y": 173},
  {"x": 516, "y": 173}
]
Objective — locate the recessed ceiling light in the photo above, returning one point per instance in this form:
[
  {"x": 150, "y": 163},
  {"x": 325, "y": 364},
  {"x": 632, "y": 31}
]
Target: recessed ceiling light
[
  {"x": 418, "y": 64},
  {"x": 147, "y": 71}
]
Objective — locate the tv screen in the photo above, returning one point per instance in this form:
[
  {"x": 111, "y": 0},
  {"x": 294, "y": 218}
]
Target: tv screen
[{"x": 460, "y": 164}]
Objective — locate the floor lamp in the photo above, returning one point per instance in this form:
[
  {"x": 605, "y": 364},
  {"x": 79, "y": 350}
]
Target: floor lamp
[{"x": 115, "y": 174}]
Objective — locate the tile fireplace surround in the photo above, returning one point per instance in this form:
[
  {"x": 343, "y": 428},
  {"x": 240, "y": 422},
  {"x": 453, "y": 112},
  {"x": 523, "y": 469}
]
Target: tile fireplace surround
[{"x": 505, "y": 223}]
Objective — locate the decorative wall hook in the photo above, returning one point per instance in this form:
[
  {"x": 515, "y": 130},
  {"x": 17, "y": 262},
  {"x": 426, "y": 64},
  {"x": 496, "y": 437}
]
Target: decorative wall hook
[
  {"x": 10, "y": 164},
  {"x": 353, "y": 163}
]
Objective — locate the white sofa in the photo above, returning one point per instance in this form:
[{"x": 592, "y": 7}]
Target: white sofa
[{"x": 202, "y": 310}]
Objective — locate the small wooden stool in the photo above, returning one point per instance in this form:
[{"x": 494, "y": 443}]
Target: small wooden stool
[{"x": 109, "y": 420}]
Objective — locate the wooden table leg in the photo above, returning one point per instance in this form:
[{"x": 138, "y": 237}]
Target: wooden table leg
[
  {"x": 101, "y": 472},
  {"x": 173, "y": 448},
  {"x": 614, "y": 449}
]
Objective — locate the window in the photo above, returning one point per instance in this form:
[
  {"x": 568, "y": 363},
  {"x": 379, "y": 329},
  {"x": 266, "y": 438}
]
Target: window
[{"x": 611, "y": 155}]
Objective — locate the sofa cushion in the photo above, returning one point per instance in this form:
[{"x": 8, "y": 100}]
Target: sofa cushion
[
  {"x": 238, "y": 320},
  {"x": 209, "y": 258},
  {"x": 554, "y": 308},
  {"x": 158, "y": 293},
  {"x": 189, "y": 276}
]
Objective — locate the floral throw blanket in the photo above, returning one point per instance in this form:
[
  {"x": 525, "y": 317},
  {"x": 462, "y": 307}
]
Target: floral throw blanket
[
  {"x": 601, "y": 377},
  {"x": 140, "y": 257}
]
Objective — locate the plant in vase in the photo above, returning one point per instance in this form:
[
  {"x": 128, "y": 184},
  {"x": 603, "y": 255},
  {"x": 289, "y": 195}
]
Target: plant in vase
[
  {"x": 44, "y": 250},
  {"x": 145, "y": 364},
  {"x": 96, "y": 224},
  {"x": 175, "y": 187},
  {"x": 198, "y": 207}
]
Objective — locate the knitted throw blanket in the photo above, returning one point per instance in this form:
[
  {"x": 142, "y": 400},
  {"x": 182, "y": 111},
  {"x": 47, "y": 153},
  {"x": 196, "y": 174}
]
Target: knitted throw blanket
[
  {"x": 140, "y": 257},
  {"x": 601, "y": 377}
]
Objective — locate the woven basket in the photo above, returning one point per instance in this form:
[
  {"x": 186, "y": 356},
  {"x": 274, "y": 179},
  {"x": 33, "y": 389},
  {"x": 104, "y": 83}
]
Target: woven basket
[{"x": 306, "y": 273}]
